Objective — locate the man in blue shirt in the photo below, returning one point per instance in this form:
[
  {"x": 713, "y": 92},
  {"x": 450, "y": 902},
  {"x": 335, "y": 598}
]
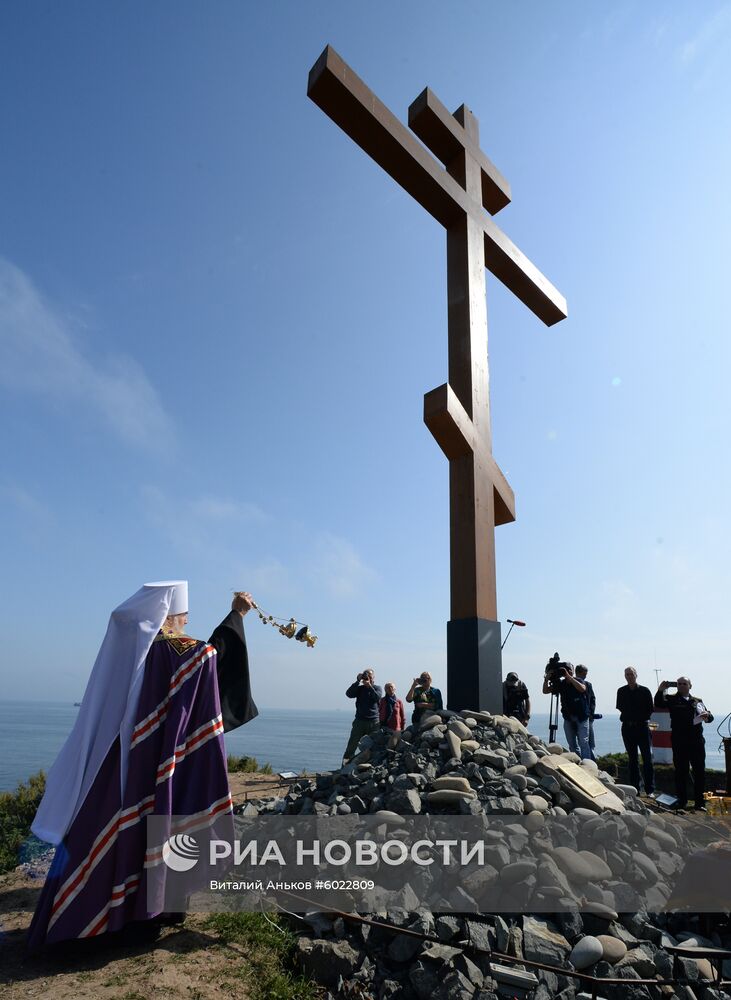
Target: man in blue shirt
[
  {"x": 574, "y": 705},
  {"x": 367, "y": 695},
  {"x": 581, "y": 672}
]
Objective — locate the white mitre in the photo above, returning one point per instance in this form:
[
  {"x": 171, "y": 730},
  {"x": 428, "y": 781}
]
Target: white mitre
[
  {"x": 109, "y": 705},
  {"x": 179, "y": 597}
]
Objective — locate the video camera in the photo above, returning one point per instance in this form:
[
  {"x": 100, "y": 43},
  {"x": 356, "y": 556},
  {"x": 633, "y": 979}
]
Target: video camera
[{"x": 556, "y": 669}]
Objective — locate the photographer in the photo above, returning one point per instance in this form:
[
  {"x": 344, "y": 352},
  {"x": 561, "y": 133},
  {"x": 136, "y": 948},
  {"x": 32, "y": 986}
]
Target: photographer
[
  {"x": 367, "y": 695},
  {"x": 424, "y": 697},
  {"x": 687, "y": 715},
  {"x": 581, "y": 672},
  {"x": 559, "y": 680},
  {"x": 516, "y": 700}
]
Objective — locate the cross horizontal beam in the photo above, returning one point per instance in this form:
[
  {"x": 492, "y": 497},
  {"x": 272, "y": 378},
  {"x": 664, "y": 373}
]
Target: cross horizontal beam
[
  {"x": 345, "y": 98},
  {"x": 446, "y": 138},
  {"x": 454, "y": 432}
]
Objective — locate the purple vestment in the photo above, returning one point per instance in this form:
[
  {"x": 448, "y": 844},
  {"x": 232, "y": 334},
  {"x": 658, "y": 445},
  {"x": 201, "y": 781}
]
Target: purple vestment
[{"x": 176, "y": 767}]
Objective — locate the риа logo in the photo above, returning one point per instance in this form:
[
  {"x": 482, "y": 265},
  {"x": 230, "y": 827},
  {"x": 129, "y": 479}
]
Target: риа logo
[{"x": 181, "y": 852}]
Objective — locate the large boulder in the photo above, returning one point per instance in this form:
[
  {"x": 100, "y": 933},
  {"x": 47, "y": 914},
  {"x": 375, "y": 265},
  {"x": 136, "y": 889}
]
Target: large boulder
[
  {"x": 542, "y": 942},
  {"x": 449, "y": 796},
  {"x": 454, "y": 782},
  {"x": 454, "y": 743},
  {"x": 405, "y": 801},
  {"x": 459, "y": 729},
  {"x": 327, "y": 961},
  {"x": 429, "y": 721},
  {"x": 586, "y": 952},
  {"x": 613, "y": 949}
]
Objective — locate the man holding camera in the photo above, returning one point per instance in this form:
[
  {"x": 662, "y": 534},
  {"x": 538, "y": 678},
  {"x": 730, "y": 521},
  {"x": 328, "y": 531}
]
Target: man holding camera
[
  {"x": 559, "y": 680},
  {"x": 687, "y": 715},
  {"x": 425, "y": 698},
  {"x": 367, "y": 695},
  {"x": 581, "y": 672}
]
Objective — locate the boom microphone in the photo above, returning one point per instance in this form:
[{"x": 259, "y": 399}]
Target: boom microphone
[{"x": 513, "y": 623}]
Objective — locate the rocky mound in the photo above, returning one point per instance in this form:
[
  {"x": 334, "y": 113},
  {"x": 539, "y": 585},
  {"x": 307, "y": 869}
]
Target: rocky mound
[
  {"x": 473, "y": 762},
  {"x": 562, "y": 898}
]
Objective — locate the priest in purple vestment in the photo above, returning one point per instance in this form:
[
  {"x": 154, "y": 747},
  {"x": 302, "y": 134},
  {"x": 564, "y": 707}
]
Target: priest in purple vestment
[{"x": 148, "y": 740}]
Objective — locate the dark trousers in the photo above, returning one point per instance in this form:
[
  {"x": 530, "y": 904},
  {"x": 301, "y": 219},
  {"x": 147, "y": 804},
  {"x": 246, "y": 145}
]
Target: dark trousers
[
  {"x": 360, "y": 728},
  {"x": 636, "y": 737},
  {"x": 689, "y": 754}
]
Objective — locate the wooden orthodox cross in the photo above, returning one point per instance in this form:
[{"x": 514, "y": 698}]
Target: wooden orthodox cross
[{"x": 458, "y": 412}]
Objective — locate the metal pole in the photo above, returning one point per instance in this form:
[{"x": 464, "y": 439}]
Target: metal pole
[{"x": 512, "y": 626}]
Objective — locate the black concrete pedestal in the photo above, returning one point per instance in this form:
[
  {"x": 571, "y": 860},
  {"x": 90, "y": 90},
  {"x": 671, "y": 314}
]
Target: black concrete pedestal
[{"x": 474, "y": 665}]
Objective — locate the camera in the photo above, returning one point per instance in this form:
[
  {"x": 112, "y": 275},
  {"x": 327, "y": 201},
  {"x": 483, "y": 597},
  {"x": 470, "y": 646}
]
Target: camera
[{"x": 556, "y": 668}]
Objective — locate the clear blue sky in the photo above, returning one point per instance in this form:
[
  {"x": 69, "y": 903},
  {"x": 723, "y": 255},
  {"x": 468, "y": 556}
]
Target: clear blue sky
[{"x": 218, "y": 318}]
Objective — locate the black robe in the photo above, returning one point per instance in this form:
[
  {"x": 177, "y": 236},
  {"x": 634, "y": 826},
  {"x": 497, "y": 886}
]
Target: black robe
[{"x": 232, "y": 668}]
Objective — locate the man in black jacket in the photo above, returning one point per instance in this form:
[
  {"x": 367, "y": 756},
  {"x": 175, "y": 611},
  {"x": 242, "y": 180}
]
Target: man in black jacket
[
  {"x": 516, "y": 700},
  {"x": 687, "y": 715},
  {"x": 634, "y": 704},
  {"x": 367, "y": 695}
]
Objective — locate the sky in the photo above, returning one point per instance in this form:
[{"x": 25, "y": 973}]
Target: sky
[{"x": 218, "y": 319}]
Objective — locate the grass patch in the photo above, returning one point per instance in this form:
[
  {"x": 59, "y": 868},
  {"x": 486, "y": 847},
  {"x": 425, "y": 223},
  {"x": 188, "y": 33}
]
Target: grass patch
[
  {"x": 611, "y": 762},
  {"x": 267, "y": 969},
  {"x": 247, "y": 765},
  {"x": 17, "y": 810},
  {"x": 116, "y": 980}
]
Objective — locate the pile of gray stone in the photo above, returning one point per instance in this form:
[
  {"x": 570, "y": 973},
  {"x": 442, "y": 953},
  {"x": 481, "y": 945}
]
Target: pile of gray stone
[
  {"x": 470, "y": 764},
  {"x": 354, "y": 959}
]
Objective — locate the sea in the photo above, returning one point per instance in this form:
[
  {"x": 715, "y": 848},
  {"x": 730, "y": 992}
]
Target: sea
[{"x": 32, "y": 733}]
